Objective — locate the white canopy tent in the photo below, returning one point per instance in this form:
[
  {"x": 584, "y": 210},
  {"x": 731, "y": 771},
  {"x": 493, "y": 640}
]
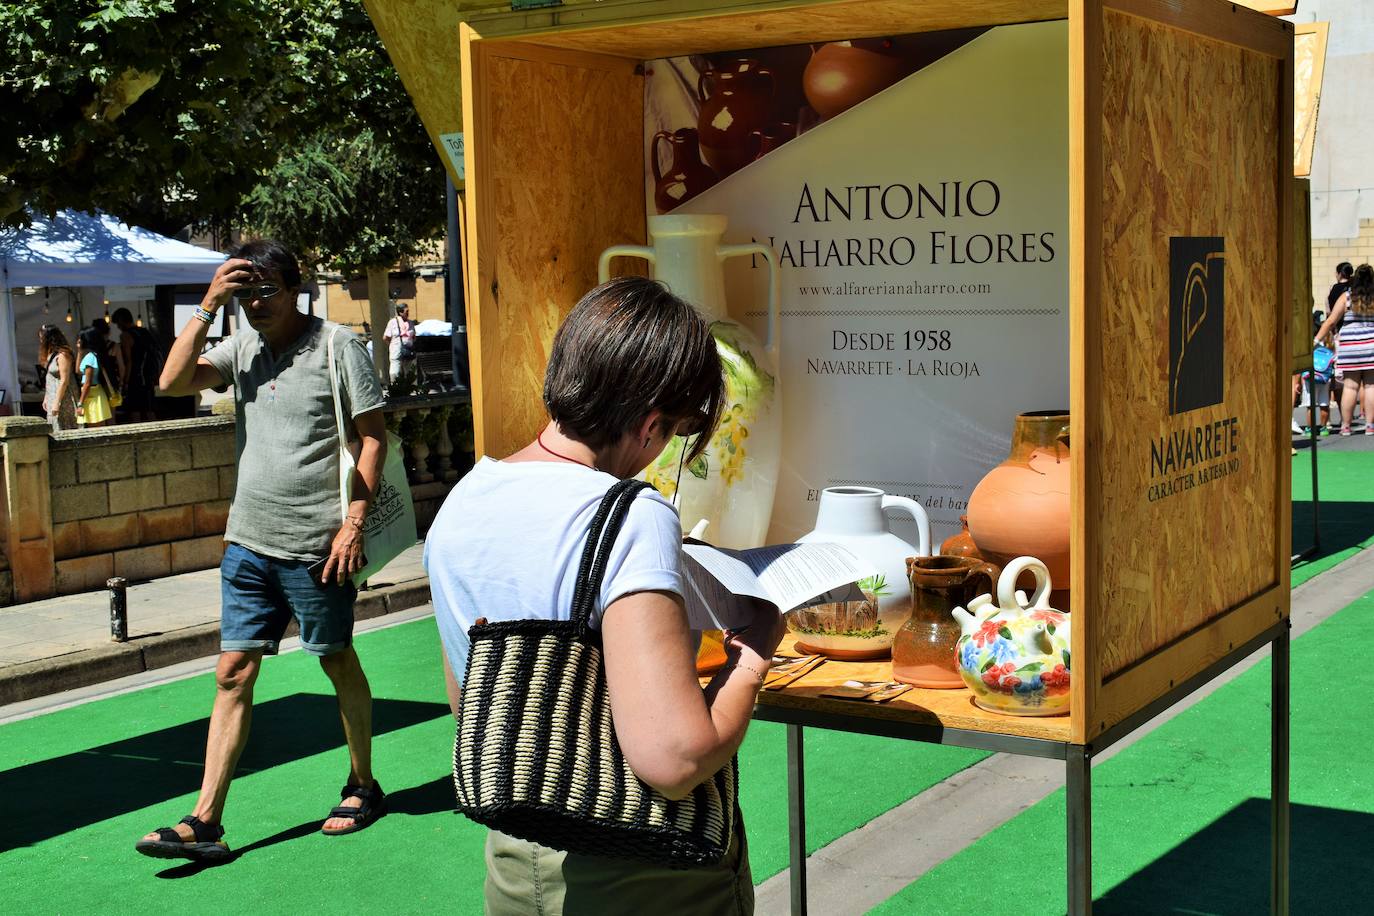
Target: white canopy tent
[{"x": 76, "y": 249}]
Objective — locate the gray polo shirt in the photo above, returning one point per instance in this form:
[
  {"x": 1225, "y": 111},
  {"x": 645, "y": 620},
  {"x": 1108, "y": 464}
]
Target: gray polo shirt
[{"x": 287, "y": 502}]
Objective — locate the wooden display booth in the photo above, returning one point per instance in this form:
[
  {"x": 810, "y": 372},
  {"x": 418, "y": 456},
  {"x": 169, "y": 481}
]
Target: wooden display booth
[{"x": 1179, "y": 156}]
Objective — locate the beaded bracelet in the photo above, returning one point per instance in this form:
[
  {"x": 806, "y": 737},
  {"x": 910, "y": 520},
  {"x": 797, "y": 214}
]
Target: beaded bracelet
[
  {"x": 751, "y": 669},
  {"x": 204, "y": 314}
]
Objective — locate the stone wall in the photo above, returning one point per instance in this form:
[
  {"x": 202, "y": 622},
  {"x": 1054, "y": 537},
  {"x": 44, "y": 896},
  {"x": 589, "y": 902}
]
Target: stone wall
[
  {"x": 139, "y": 501},
  {"x": 151, "y": 499}
]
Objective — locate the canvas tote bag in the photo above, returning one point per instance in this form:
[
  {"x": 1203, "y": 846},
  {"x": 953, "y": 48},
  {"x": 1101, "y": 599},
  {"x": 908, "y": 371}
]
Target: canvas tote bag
[{"x": 390, "y": 525}]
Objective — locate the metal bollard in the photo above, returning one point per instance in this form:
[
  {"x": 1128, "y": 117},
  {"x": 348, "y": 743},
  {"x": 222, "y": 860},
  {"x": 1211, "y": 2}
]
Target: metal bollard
[{"x": 119, "y": 608}]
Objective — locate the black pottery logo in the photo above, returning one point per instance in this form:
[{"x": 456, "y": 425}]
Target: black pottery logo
[{"x": 1197, "y": 322}]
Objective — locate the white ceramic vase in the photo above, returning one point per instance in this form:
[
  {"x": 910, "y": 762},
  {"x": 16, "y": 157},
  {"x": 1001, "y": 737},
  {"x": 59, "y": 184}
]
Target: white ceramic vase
[
  {"x": 853, "y": 518},
  {"x": 731, "y": 486}
]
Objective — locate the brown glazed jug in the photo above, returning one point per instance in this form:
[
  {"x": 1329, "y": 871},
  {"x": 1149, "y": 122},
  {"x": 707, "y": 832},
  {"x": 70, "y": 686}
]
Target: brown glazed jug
[
  {"x": 735, "y": 102},
  {"x": 686, "y": 175},
  {"x": 771, "y": 137},
  {"x": 1021, "y": 507},
  {"x": 961, "y": 544},
  {"x": 923, "y": 652}
]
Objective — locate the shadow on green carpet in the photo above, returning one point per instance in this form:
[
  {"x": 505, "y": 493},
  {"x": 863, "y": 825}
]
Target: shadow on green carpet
[
  {"x": 80, "y": 785},
  {"x": 1181, "y": 817},
  {"x": 1345, "y": 512},
  {"x": 1224, "y": 867}
]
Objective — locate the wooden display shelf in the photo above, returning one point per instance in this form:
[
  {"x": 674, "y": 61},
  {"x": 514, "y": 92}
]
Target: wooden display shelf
[{"x": 918, "y": 706}]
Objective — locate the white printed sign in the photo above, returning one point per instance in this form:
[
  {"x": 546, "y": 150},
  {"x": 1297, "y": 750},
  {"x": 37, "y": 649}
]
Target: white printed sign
[{"x": 923, "y": 239}]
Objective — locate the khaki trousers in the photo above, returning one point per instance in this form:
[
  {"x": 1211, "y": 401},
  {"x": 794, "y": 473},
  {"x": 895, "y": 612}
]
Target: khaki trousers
[{"x": 526, "y": 879}]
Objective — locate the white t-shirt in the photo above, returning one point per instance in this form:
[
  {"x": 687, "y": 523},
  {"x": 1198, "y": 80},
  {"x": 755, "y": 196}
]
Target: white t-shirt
[
  {"x": 398, "y": 332},
  {"x": 507, "y": 542}
]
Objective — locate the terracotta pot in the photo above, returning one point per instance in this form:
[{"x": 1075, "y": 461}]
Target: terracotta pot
[
  {"x": 923, "y": 652},
  {"x": 711, "y": 652},
  {"x": 1021, "y": 508},
  {"x": 961, "y": 544},
  {"x": 842, "y": 74},
  {"x": 735, "y": 102},
  {"x": 686, "y": 175}
]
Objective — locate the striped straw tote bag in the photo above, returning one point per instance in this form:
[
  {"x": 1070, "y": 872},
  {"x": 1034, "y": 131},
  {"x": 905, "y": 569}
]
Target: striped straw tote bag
[{"x": 535, "y": 755}]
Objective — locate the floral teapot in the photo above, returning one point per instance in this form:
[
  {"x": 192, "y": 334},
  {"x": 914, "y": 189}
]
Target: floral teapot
[{"x": 1014, "y": 654}]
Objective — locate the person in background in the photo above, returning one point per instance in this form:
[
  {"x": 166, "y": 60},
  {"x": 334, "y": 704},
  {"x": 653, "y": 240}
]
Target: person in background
[
  {"x": 142, "y": 366},
  {"x": 1354, "y": 315},
  {"x": 1344, "y": 271},
  {"x": 59, "y": 377},
  {"x": 632, "y": 366},
  {"x": 96, "y": 371},
  {"x": 400, "y": 338},
  {"x": 112, "y": 351}
]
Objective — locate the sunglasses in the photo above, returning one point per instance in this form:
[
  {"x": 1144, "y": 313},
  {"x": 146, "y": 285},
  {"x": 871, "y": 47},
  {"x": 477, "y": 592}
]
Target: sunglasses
[{"x": 246, "y": 293}]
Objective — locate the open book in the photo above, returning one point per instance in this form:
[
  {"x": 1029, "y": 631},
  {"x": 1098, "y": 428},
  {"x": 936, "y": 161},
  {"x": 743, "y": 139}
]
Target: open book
[{"x": 787, "y": 576}]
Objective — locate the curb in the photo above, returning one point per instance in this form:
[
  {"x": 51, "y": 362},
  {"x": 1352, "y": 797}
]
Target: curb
[{"x": 93, "y": 666}]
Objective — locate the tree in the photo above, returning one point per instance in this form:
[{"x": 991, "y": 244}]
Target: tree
[
  {"x": 357, "y": 194},
  {"x": 161, "y": 113}
]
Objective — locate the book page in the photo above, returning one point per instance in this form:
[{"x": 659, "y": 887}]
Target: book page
[{"x": 784, "y": 575}]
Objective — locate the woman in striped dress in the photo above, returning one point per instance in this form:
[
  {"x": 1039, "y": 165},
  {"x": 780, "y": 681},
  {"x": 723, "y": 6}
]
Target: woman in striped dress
[{"x": 1354, "y": 314}]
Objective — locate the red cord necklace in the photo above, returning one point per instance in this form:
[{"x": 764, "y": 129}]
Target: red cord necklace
[{"x": 540, "y": 439}]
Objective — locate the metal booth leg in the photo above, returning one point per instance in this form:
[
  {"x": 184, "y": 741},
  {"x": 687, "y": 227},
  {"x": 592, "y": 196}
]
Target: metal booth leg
[
  {"x": 796, "y": 819},
  {"x": 1278, "y": 901},
  {"x": 1078, "y": 781}
]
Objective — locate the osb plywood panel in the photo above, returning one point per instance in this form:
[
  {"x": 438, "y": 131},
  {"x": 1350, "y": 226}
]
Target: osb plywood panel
[
  {"x": 1189, "y": 148},
  {"x": 1309, "y": 66},
  {"x": 557, "y": 178},
  {"x": 1300, "y": 337},
  {"x": 713, "y": 30}
]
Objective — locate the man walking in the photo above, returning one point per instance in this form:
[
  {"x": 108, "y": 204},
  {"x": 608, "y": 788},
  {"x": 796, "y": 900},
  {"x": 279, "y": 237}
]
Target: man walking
[{"x": 290, "y": 549}]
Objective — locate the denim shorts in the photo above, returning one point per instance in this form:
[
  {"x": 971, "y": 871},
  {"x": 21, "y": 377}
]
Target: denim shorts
[{"x": 260, "y": 595}]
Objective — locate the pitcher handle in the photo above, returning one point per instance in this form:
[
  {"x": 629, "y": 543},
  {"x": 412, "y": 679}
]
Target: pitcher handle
[
  {"x": 653, "y": 153},
  {"x": 990, "y": 571},
  {"x": 770, "y": 340},
  {"x": 1006, "y": 584},
  {"x": 918, "y": 514},
  {"x": 603, "y": 266}
]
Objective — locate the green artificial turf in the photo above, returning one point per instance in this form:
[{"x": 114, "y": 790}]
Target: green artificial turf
[
  {"x": 79, "y": 786},
  {"x": 1181, "y": 818},
  {"x": 1345, "y": 483}
]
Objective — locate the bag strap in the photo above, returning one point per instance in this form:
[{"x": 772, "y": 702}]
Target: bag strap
[
  {"x": 601, "y": 535},
  {"x": 338, "y": 420}
]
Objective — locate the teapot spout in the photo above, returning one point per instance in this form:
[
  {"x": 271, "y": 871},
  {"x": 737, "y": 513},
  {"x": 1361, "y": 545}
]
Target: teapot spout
[{"x": 966, "y": 620}]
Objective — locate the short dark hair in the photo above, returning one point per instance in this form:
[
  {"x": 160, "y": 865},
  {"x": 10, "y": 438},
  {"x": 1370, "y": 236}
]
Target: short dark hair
[
  {"x": 122, "y": 316},
  {"x": 401, "y": 307},
  {"x": 629, "y": 347},
  {"x": 269, "y": 254},
  {"x": 1345, "y": 270}
]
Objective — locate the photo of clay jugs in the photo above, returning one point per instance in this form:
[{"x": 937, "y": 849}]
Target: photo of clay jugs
[
  {"x": 735, "y": 102},
  {"x": 1021, "y": 507},
  {"x": 853, "y": 517},
  {"x": 842, "y": 74},
  {"x": 686, "y": 175},
  {"x": 772, "y": 137},
  {"x": 923, "y": 653}
]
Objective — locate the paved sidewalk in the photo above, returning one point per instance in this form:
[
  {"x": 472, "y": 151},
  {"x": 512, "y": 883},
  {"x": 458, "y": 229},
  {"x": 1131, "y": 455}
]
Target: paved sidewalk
[{"x": 64, "y": 642}]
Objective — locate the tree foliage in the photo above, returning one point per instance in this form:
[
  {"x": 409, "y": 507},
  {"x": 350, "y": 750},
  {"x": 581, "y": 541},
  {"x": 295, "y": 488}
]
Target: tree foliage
[
  {"x": 284, "y": 116},
  {"x": 360, "y": 191},
  {"x": 163, "y": 113}
]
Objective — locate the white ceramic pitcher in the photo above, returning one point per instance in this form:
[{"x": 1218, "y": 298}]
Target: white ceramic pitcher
[
  {"x": 853, "y": 517},
  {"x": 732, "y": 485}
]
